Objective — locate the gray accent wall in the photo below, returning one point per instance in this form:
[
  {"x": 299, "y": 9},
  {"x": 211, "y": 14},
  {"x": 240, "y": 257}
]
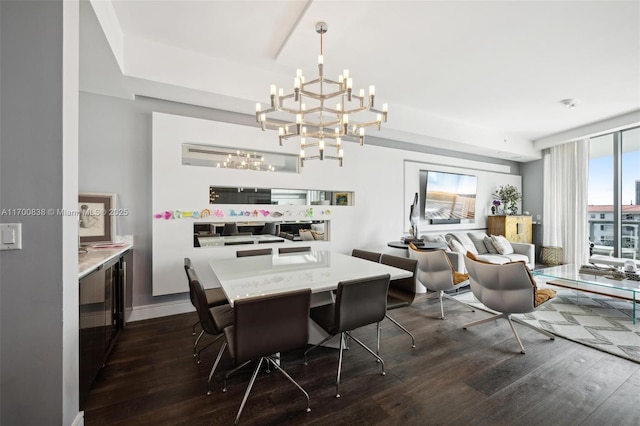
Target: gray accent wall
[
  {"x": 31, "y": 170},
  {"x": 532, "y": 188}
]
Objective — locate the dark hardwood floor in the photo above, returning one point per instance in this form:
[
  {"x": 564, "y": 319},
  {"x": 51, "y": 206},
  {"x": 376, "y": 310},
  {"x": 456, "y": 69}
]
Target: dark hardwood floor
[{"x": 452, "y": 377}]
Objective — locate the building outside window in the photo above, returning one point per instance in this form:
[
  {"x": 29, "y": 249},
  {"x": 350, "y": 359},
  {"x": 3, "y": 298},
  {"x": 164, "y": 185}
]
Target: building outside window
[{"x": 618, "y": 207}]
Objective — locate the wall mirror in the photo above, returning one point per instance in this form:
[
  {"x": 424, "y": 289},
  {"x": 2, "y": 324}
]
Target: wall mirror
[
  {"x": 194, "y": 154},
  {"x": 280, "y": 197},
  {"x": 242, "y": 233}
]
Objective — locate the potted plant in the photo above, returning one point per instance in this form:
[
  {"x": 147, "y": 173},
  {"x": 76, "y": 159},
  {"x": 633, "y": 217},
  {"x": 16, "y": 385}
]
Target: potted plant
[{"x": 509, "y": 195}]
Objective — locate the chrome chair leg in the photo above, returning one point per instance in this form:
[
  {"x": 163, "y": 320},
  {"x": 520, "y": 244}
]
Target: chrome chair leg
[
  {"x": 511, "y": 321},
  {"x": 413, "y": 339},
  {"x": 339, "y": 365},
  {"x": 515, "y": 333},
  {"x": 533, "y": 327},
  {"x": 230, "y": 373},
  {"x": 280, "y": 369},
  {"x": 206, "y": 346},
  {"x": 246, "y": 394},
  {"x": 440, "y": 293},
  {"x": 482, "y": 321},
  {"x": 459, "y": 301},
  {"x": 268, "y": 360},
  {"x": 193, "y": 328},
  {"x": 368, "y": 350},
  {"x": 315, "y": 346},
  {"x": 195, "y": 344},
  {"x": 215, "y": 365}
]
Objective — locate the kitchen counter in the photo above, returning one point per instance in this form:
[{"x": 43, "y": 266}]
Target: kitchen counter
[{"x": 96, "y": 256}]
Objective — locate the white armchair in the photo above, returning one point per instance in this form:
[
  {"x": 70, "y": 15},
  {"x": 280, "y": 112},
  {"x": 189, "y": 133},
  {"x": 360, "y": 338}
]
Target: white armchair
[{"x": 507, "y": 289}]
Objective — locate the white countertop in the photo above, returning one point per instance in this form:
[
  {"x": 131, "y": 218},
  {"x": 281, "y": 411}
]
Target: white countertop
[
  {"x": 238, "y": 239},
  {"x": 319, "y": 270},
  {"x": 90, "y": 261}
]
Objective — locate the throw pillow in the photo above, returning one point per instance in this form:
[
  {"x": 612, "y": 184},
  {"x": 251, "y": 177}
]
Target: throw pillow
[
  {"x": 305, "y": 235},
  {"x": 488, "y": 243},
  {"x": 478, "y": 242},
  {"x": 463, "y": 239},
  {"x": 457, "y": 247},
  {"x": 501, "y": 244}
]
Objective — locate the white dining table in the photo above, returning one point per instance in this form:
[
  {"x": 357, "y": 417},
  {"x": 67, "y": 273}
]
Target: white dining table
[{"x": 319, "y": 270}]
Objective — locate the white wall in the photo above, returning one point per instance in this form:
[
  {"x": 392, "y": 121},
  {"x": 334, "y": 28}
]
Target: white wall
[{"x": 384, "y": 181}]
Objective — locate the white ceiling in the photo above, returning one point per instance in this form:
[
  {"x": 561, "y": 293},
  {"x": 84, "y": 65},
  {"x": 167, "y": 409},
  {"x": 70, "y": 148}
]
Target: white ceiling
[{"x": 487, "y": 75}]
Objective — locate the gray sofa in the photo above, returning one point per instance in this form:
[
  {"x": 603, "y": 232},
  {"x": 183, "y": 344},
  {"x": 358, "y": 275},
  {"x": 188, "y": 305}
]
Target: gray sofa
[{"x": 481, "y": 245}]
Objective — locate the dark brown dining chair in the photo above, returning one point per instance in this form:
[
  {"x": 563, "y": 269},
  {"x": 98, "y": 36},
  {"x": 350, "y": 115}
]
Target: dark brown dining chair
[
  {"x": 368, "y": 255},
  {"x": 213, "y": 320},
  {"x": 241, "y": 234},
  {"x": 214, "y": 296},
  {"x": 229, "y": 229},
  {"x": 402, "y": 291},
  {"x": 284, "y": 250},
  {"x": 358, "y": 303},
  {"x": 254, "y": 252},
  {"x": 269, "y": 228},
  {"x": 264, "y": 326}
]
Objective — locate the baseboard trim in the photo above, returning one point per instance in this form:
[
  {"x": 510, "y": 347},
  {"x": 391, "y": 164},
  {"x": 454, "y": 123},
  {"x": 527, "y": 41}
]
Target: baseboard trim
[
  {"x": 79, "y": 420},
  {"x": 157, "y": 310}
]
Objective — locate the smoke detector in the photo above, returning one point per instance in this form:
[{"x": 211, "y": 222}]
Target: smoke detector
[{"x": 569, "y": 103}]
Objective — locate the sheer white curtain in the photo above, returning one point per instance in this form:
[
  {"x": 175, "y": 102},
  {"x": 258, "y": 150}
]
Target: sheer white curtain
[{"x": 566, "y": 171}]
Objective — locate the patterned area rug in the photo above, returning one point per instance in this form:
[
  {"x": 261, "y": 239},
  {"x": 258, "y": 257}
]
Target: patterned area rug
[{"x": 600, "y": 322}]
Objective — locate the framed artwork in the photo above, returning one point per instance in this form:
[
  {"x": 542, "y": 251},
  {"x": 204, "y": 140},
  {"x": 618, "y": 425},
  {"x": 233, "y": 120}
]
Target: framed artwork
[
  {"x": 95, "y": 218},
  {"x": 341, "y": 199}
]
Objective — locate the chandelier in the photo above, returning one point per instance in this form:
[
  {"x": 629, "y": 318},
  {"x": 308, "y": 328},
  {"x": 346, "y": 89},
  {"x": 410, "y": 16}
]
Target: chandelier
[
  {"x": 245, "y": 161},
  {"x": 310, "y": 118}
]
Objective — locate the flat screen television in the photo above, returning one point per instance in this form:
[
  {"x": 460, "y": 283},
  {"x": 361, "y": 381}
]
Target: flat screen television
[{"x": 448, "y": 197}]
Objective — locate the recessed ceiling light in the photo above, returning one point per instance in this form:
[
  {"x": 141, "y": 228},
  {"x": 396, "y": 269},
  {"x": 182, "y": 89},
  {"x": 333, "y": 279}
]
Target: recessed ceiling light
[{"x": 569, "y": 103}]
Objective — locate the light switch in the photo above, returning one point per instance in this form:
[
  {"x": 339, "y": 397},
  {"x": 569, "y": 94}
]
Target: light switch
[
  {"x": 11, "y": 234},
  {"x": 8, "y": 236}
]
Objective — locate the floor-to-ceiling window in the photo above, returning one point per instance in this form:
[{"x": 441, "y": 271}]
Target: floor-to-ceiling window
[
  {"x": 630, "y": 187},
  {"x": 614, "y": 194}
]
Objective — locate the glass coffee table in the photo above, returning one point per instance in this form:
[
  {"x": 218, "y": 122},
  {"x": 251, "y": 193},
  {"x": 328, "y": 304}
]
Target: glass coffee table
[{"x": 595, "y": 281}]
